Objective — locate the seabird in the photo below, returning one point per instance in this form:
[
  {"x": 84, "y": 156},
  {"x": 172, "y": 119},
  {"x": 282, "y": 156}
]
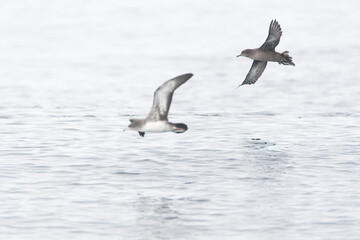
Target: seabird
[
  {"x": 266, "y": 53},
  {"x": 156, "y": 120}
]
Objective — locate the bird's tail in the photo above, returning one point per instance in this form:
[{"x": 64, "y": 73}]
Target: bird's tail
[{"x": 287, "y": 60}]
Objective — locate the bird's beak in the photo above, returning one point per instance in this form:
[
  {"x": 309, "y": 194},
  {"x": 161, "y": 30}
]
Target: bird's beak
[
  {"x": 239, "y": 55},
  {"x": 125, "y": 129}
]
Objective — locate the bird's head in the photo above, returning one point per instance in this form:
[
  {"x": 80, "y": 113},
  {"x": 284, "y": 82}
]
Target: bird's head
[
  {"x": 245, "y": 53},
  {"x": 179, "y": 127},
  {"x": 134, "y": 123}
]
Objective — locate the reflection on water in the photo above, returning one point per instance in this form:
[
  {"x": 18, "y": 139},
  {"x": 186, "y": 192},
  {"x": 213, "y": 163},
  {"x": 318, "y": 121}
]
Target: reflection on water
[{"x": 158, "y": 218}]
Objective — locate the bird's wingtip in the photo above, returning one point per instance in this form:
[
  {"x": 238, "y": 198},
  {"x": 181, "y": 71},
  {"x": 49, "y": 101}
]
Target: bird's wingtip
[{"x": 187, "y": 75}]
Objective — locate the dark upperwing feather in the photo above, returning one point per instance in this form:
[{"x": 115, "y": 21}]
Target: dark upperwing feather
[
  {"x": 255, "y": 72},
  {"x": 163, "y": 97},
  {"x": 273, "y": 38}
]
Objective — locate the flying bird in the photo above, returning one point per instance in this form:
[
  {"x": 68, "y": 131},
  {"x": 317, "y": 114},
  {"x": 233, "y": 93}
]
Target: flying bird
[
  {"x": 266, "y": 53},
  {"x": 157, "y": 119}
]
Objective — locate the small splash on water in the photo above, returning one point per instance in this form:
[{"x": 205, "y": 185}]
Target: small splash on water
[{"x": 258, "y": 141}]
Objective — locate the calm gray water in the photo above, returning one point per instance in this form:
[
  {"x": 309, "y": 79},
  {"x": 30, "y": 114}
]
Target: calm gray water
[{"x": 275, "y": 160}]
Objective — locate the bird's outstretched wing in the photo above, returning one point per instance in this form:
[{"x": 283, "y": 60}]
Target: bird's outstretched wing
[
  {"x": 255, "y": 72},
  {"x": 273, "y": 38},
  {"x": 163, "y": 97}
]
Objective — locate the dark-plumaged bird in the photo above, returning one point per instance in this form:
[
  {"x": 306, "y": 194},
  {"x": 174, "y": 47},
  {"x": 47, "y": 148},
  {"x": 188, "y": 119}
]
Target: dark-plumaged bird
[
  {"x": 266, "y": 53},
  {"x": 157, "y": 119}
]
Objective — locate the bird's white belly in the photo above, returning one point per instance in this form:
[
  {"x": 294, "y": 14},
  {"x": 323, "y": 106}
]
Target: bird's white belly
[{"x": 158, "y": 126}]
